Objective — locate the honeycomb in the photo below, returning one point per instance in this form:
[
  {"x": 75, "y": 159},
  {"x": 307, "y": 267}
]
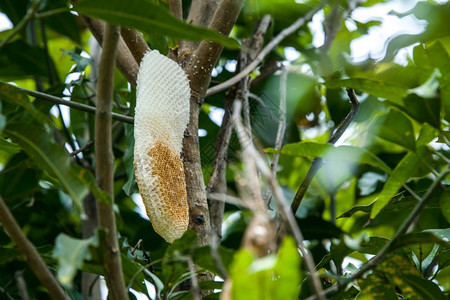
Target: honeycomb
[{"x": 161, "y": 117}]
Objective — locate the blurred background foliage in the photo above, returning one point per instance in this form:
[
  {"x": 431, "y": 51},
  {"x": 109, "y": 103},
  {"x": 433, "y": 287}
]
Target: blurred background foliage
[{"x": 353, "y": 206}]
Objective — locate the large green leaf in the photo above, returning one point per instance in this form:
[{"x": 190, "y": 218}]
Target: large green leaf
[
  {"x": 71, "y": 253},
  {"x": 52, "y": 158},
  {"x": 149, "y": 17},
  {"x": 315, "y": 228},
  {"x": 20, "y": 60},
  {"x": 405, "y": 169},
  {"x": 439, "y": 58},
  {"x": 287, "y": 271},
  {"x": 203, "y": 258},
  {"x": 376, "y": 287},
  {"x": 423, "y": 109},
  {"x": 349, "y": 154},
  {"x": 381, "y": 89},
  {"x": 270, "y": 277},
  {"x": 395, "y": 127}
]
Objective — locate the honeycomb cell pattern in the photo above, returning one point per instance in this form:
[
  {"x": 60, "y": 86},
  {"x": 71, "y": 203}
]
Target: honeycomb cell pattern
[{"x": 161, "y": 117}]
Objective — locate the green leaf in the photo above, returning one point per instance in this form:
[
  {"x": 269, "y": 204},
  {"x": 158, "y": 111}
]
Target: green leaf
[
  {"x": 395, "y": 127},
  {"x": 8, "y": 147},
  {"x": 20, "y": 60},
  {"x": 408, "y": 166},
  {"x": 315, "y": 228},
  {"x": 149, "y": 17},
  {"x": 423, "y": 109},
  {"x": 51, "y": 157},
  {"x": 346, "y": 153},
  {"x": 203, "y": 258},
  {"x": 71, "y": 253},
  {"x": 269, "y": 277},
  {"x": 287, "y": 271},
  {"x": 381, "y": 89},
  {"x": 420, "y": 238},
  {"x": 440, "y": 59},
  {"x": 14, "y": 96},
  {"x": 445, "y": 205},
  {"x": 427, "y": 134},
  {"x": 423, "y": 289},
  {"x": 376, "y": 287},
  {"x": 14, "y": 9}
]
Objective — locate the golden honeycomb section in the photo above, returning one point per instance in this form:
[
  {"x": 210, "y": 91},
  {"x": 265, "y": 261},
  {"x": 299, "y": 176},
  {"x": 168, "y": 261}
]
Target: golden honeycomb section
[{"x": 160, "y": 177}]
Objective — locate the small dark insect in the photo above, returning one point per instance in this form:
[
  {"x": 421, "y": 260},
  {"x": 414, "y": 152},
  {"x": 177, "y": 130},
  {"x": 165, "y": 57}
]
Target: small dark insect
[{"x": 199, "y": 220}]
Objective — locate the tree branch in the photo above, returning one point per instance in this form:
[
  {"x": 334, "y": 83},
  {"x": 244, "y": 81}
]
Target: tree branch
[
  {"x": 279, "y": 196},
  {"x": 33, "y": 258},
  {"x": 135, "y": 43},
  {"x": 269, "y": 47},
  {"x": 104, "y": 163},
  {"x": 176, "y": 7},
  {"x": 29, "y": 16},
  {"x": 199, "y": 14},
  {"x": 124, "y": 59},
  {"x": 199, "y": 72},
  {"x": 76, "y": 105},
  {"x": 317, "y": 162},
  {"x": 217, "y": 183}
]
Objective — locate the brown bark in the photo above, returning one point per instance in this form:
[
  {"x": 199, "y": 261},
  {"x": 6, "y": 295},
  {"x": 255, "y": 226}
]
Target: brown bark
[
  {"x": 33, "y": 258},
  {"x": 104, "y": 163},
  {"x": 135, "y": 43},
  {"x": 199, "y": 72},
  {"x": 125, "y": 61}
]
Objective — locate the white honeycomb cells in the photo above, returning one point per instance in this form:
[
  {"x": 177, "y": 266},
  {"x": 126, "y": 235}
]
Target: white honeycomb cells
[{"x": 161, "y": 117}]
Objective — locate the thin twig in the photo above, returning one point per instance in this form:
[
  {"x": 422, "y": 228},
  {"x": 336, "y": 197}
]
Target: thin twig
[
  {"x": 76, "y": 105},
  {"x": 217, "y": 182},
  {"x": 281, "y": 120},
  {"x": 317, "y": 162},
  {"x": 30, "y": 14},
  {"x": 81, "y": 149},
  {"x": 279, "y": 196},
  {"x": 195, "y": 289},
  {"x": 266, "y": 50},
  {"x": 51, "y": 12},
  {"x": 226, "y": 199},
  {"x": 33, "y": 258},
  {"x": 21, "y": 285},
  {"x": 105, "y": 163}
]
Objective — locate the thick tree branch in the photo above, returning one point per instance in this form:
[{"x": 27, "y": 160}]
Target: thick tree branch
[
  {"x": 135, "y": 43},
  {"x": 125, "y": 61},
  {"x": 199, "y": 14},
  {"x": 317, "y": 162},
  {"x": 199, "y": 72},
  {"x": 104, "y": 163},
  {"x": 33, "y": 258},
  {"x": 269, "y": 47}
]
